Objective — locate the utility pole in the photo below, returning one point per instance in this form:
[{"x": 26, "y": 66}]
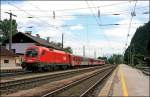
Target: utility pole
[
  {"x": 1, "y": 35},
  {"x": 101, "y": 51},
  {"x": 83, "y": 50},
  {"x": 10, "y": 33},
  {"x": 95, "y": 54},
  {"x": 129, "y": 56},
  {"x": 62, "y": 40},
  {"x": 48, "y": 39},
  {"x": 133, "y": 55}
]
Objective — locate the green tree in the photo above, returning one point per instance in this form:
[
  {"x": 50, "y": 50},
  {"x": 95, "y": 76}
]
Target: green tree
[
  {"x": 139, "y": 46},
  {"x": 148, "y": 47},
  {"x": 114, "y": 59},
  {"x": 68, "y": 49},
  {"x": 5, "y": 28},
  {"x": 111, "y": 60},
  {"x": 103, "y": 58}
]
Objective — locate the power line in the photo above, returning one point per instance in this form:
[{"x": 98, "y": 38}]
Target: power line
[
  {"x": 132, "y": 15},
  {"x": 72, "y": 10},
  {"x": 97, "y": 20},
  {"x": 31, "y": 16},
  {"x": 66, "y": 16},
  {"x": 99, "y": 13},
  {"x": 88, "y": 8},
  {"x": 131, "y": 21},
  {"x": 56, "y": 27}
]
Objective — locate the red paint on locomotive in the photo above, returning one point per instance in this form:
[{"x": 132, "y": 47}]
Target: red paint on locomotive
[{"x": 43, "y": 57}]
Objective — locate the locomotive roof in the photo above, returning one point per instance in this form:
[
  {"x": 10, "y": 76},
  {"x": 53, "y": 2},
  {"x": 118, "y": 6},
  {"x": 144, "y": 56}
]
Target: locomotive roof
[{"x": 48, "y": 49}]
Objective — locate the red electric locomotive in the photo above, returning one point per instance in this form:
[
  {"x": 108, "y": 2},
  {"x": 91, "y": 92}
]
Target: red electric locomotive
[
  {"x": 37, "y": 58},
  {"x": 42, "y": 58}
]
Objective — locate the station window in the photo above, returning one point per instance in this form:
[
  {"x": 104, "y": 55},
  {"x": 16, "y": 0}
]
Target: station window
[
  {"x": 14, "y": 50},
  {"x": 6, "y": 61}
]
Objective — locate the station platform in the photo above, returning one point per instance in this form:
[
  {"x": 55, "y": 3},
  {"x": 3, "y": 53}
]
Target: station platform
[
  {"x": 127, "y": 81},
  {"x": 11, "y": 69}
]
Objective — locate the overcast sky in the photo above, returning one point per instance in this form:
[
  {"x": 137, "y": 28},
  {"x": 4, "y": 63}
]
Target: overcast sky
[{"x": 80, "y": 23}]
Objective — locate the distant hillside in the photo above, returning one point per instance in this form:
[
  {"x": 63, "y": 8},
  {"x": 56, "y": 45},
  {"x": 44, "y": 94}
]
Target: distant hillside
[{"x": 139, "y": 46}]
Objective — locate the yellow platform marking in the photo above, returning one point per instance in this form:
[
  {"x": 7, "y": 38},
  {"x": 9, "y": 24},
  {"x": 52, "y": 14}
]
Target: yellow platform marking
[
  {"x": 107, "y": 87},
  {"x": 123, "y": 83}
]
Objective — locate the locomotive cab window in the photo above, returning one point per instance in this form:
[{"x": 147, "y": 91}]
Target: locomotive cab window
[{"x": 31, "y": 53}]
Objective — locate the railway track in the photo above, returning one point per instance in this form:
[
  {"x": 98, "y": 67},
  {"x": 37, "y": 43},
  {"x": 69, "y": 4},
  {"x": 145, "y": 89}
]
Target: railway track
[
  {"x": 8, "y": 74},
  {"x": 27, "y": 83},
  {"x": 82, "y": 87},
  {"x": 145, "y": 70}
]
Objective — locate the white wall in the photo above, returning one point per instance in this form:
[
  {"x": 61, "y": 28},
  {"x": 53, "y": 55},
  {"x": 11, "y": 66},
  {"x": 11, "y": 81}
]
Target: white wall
[
  {"x": 20, "y": 47},
  {"x": 12, "y": 61}
]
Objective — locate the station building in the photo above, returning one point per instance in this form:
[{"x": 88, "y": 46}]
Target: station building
[{"x": 7, "y": 58}]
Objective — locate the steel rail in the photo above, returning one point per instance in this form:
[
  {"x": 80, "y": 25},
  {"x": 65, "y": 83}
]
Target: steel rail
[
  {"x": 9, "y": 86},
  {"x": 92, "y": 87},
  {"x": 28, "y": 73},
  {"x": 9, "y": 74},
  {"x": 56, "y": 92}
]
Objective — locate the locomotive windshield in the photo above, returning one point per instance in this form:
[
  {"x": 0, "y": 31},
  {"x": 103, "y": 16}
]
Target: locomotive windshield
[{"x": 31, "y": 53}]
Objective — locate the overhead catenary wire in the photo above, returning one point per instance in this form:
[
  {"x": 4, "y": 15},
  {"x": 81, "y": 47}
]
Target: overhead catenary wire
[
  {"x": 53, "y": 18},
  {"x": 97, "y": 21},
  {"x": 98, "y": 12},
  {"x": 37, "y": 7},
  {"x": 103, "y": 26},
  {"x": 110, "y": 24},
  {"x": 83, "y": 15},
  {"x": 128, "y": 34},
  {"x": 71, "y": 9},
  {"x": 31, "y": 16}
]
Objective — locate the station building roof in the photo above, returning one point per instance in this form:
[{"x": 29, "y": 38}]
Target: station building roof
[
  {"x": 6, "y": 52},
  {"x": 21, "y": 37}
]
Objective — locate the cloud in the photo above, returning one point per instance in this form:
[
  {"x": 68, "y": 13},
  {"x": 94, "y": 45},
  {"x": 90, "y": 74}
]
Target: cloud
[
  {"x": 102, "y": 47},
  {"x": 77, "y": 27},
  {"x": 48, "y": 33},
  {"x": 118, "y": 35},
  {"x": 121, "y": 31},
  {"x": 44, "y": 24}
]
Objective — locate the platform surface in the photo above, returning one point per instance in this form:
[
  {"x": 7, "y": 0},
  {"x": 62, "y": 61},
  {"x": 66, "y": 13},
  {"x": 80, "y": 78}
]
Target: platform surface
[
  {"x": 10, "y": 68},
  {"x": 129, "y": 81}
]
